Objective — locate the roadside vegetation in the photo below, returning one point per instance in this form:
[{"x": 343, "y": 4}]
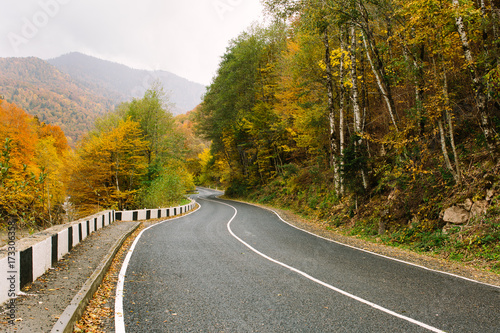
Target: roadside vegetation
[
  {"x": 374, "y": 116},
  {"x": 136, "y": 156},
  {"x": 34, "y": 160}
]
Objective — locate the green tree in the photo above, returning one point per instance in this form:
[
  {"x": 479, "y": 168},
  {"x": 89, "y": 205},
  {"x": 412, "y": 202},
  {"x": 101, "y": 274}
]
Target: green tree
[{"x": 236, "y": 114}]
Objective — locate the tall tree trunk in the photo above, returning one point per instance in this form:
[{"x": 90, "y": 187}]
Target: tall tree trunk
[
  {"x": 377, "y": 64},
  {"x": 331, "y": 112},
  {"x": 415, "y": 57},
  {"x": 355, "y": 97},
  {"x": 495, "y": 20},
  {"x": 481, "y": 98},
  {"x": 342, "y": 106},
  {"x": 458, "y": 173},
  {"x": 381, "y": 83},
  {"x": 354, "y": 80},
  {"x": 444, "y": 149}
]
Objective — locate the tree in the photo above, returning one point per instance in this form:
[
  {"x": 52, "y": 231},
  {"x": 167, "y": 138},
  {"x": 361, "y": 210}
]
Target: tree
[
  {"x": 477, "y": 77},
  {"x": 156, "y": 122},
  {"x": 236, "y": 114},
  {"x": 124, "y": 161},
  {"x": 32, "y": 161},
  {"x": 109, "y": 169}
]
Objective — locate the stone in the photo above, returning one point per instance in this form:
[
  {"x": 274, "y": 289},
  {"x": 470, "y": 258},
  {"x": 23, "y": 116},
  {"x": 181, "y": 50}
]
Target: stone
[
  {"x": 479, "y": 208},
  {"x": 456, "y": 215},
  {"x": 489, "y": 195},
  {"x": 467, "y": 205}
]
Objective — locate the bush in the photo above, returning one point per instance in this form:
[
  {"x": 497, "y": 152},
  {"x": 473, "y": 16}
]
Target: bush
[
  {"x": 168, "y": 189},
  {"x": 237, "y": 188}
]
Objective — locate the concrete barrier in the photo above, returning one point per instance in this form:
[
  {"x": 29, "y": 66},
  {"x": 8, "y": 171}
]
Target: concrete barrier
[
  {"x": 147, "y": 214},
  {"x": 23, "y": 261}
]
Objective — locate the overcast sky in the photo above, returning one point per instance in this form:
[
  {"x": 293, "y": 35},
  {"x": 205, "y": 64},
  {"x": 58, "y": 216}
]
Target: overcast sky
[{"x": 185, "y": 37}]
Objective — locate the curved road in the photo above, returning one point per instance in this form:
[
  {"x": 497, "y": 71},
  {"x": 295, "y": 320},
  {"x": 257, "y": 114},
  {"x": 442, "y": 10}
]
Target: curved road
[{"x": 233, "y": 267}]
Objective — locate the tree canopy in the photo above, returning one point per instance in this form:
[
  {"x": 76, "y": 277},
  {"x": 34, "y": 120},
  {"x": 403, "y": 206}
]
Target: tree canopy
[{"x": 339, "y": 101}]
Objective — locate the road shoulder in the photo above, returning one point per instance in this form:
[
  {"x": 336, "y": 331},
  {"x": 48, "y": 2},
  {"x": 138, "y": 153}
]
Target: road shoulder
[{"x": 47, "y": 298}]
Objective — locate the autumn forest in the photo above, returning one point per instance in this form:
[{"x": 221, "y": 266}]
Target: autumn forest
[
  {"x": 369, "y": 116},
  {"x": 134, "y": 157},
  {"x": 372, "y": 116}
]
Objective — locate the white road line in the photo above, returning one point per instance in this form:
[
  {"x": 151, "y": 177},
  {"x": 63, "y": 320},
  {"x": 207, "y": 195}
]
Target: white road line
[
  {"x": 370, "y": 252},
  {"x": 119, "y": 315},
  {"x": 383, "y": 256},
  {"x": 340, "y": 291}
]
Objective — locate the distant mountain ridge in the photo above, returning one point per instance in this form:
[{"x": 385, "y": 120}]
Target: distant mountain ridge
[
  {"x": 74, "y": 89},
  {"x": 121, "y": 83}
]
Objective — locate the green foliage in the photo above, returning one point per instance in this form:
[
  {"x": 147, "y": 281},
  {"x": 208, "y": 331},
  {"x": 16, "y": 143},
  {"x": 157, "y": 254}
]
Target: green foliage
[
  {"x": 168, "y": 188},
  {"x": 354, "y": 159},
  {"x": 237, "y": 189},
  {"x": 236, "y": 114}
]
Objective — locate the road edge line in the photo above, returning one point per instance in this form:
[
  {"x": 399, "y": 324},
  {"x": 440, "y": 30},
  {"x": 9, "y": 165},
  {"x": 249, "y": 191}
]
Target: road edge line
[
  {"x": 322, "y": 283},
  {"x": 118, "y": 312},
  {"x": 364, "y": 250},
  {"x": 74, "y": 311}
]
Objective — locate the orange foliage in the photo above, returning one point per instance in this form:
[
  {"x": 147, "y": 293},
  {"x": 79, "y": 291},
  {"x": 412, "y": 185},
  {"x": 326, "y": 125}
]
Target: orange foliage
[
  {"x": 16, "y": 125},
  {"x": 29, "y": 188},
  {"x": 61, "y": 142}
]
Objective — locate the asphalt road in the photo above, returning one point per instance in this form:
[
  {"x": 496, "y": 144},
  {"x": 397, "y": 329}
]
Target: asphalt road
[{"x": 232, "y": 267}]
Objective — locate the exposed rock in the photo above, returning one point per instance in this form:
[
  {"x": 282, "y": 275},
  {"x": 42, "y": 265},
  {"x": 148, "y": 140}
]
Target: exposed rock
[
  {"x": 489, "y": 195},
  {"x": 467, "y": 205},
  {"x": 456, "y": 215},
  {"x": 479, "y": 208}
]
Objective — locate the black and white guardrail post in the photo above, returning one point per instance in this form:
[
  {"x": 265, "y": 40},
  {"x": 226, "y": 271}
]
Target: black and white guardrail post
[
  {"x": 147, "y": 214},
  {"x": 23, "y": 261}
]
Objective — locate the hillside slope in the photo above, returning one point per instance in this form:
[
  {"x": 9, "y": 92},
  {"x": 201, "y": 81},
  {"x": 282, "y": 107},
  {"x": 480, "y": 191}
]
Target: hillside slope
[
  {"x": 121, "y": 83},
  {"x": 52, "y": 96}
]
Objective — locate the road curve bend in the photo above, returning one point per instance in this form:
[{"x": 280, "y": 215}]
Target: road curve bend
[{"x": 233, "y": 267}]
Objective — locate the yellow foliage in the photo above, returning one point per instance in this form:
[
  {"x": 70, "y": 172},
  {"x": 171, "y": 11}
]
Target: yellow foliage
[{"x": 109, "y": 168}]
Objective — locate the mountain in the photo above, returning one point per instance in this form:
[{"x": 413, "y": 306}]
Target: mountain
[
  {"x": 51, "y": 95},
  {"x": 72, "y": 90},
  {"x": 121, "y": 83}
]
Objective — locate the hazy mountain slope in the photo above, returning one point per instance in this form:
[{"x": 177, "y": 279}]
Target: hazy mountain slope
[
  {"x": 121, "y": 83},
  {"x": 54, "y": 97}
]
